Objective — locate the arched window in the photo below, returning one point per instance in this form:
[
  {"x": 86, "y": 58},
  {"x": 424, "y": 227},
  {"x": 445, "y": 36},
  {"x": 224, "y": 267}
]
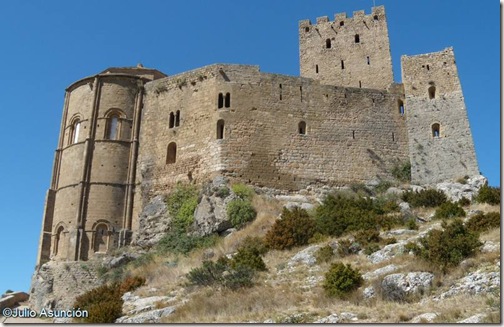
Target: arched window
[
  {"x": 341, "y": 23},
  {"x": 328, "y": 43},
  {"x": 220, "y": 129},
  {"x": 401, "y": 107},
  {"x": 172, "y": 120},
  {"x": 357, "y": 38},
  {"x": 177, "y": 118},
  {"x": 435, "y": 130},
  {"x": 74, "y": 131},
  {"x": 112, "y": 127},
  {"x": 101, "y": 238},
  {"x": 227, "y": 103},
  {"x": 432, "y": 92},
  {"x": 375, "y": 17},
  {"x": 302, "y": 128},
  {"x": 220, "y": 101},
  {"x": 171, "y": 155},
  {"x": 59, "y": 241}
]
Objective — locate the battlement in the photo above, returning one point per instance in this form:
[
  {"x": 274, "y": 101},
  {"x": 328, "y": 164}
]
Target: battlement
[{"x": 379, "y": 12}]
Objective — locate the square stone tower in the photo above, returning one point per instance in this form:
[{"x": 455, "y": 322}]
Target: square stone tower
[
  {"x": 440, "y": 141},
  {"x": 351, "y": 52}
]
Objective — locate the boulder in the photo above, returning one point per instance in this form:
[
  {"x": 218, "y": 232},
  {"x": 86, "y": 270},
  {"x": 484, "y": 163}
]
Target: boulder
[
  {"x": 424, "y": 317},
  {"x": 154, "y": 223},
  {"x": 12, "y": 299},
  {"x": 153, "y": 316},
  {"x": 476, "y": 319},
  {"x": 210, "y": 215},
  {"x": 398, "y": 287},
  {"x": 456, "y": 191},
  {"x": 113, "y": 262},
  {"x": 387, "y": 252},
  {"x": 369, "y": 292},
  {"x": 306, "y": 256},
  {"x": 331, "y": 319},
  {"x": 380, "y": 271},
  {"x": 477, "y": 282}
]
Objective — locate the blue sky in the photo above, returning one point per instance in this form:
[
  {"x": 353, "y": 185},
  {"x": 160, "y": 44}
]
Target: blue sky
[{"x": 47, "y": 45}]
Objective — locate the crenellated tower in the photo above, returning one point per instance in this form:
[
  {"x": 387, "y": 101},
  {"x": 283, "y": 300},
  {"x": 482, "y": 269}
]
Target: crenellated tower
[{"x": 351, "y": 52}]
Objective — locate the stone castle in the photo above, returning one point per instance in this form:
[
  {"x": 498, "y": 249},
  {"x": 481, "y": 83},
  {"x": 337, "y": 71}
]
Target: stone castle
[{"x": 128, "y": 134}]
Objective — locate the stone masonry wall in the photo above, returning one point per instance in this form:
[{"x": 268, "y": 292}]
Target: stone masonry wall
[
  {"x": 330, "y": 52},
  {"x": 449, "y": 155}
]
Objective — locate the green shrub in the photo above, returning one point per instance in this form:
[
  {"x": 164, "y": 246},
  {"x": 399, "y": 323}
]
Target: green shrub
[
  {"x": 382, "y": 187},
  {"x": 371, "y": 248},
  {"x": 240, "y": 212},
  {"x": 220, "y": 273},
  {"x": 449, "y": 247},
  {"x": 425, "y": 198},
  {"x": 449, "y": 210},
  {"x": 361, "y": 189},
  {"x": 222, "y": 192},
  {"x": 104, "y": 303},
  {"x": 177, "y": 241},
  {"x": 250, "y": 257},
  {"x": 243, "y": 191},
  {"x": 347, "y": 247},
  {"x": 411, "y": 223},
  {"x": 181, "y": 204},
  {"x": 341, "y": 279},
  {"x": 340, "y": 214},
  {"x": 464, "y": 202},
  {"x": 483, "y": 222},
  {"x": 324, "y": 254},
  {"x": 294, "y": 229},
  {"x": 365, "y": 237},
  {"x": 402, "y": 171},
  {"x": 317, "y": 238},
  {"x": 9, "y": 291},
  {"x": 255, "y": 244},
  {"x": 488, "y": 194}
]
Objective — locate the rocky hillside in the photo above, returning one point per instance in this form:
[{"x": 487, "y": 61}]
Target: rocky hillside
[{"x": 401, "y": 277}]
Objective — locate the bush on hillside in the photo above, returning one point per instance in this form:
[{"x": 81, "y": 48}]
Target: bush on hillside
[
  {"x": 324, "y": 254},
  {"x": 178, "y": 241},
  {"x": 240, "y": 212},
  {"x": 425, "y": 198},
  {"x": 243, "y": 191},
  {"x": 402, "y": 171},
  {"x": 104, "y": 303},
  {"x": 294, "y": 229},
  {"x": 220, "y": 273},
  {"x": 341, "y": 279},
  {"x": 483, "y": 222},
  {"x": 347, "y": 247},
  {"x": 447, "y": 248},
  {"x": 488, "y": 194},
  {"x": 249, "y": 255},
  {"x": 464, "y": 202},
  {"x": 449, "y": 210},
  {"x": 182, "y": 203}
]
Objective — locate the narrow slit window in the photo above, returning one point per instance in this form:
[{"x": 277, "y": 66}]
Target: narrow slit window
[
  {"x": 360, "y": 84},
  {"x": 401, "y": 107},
  {"x": 172, "y": 120},
  {"x": 220, "y": 101},
  {"x": 316, "y": 69},
  {"x": 435, "y": 130},
  {"x": 177, "y": 118},
  {"x": 342, "y": 64},
  {"x": 171, "y": 155},
  {"x": 227, "y": 103},
  {"x": 301, "y": 93},
  {"x": 280, "y": 86},
  {"x": 328, "y": 43},
  {"x": 428, "y": 68},
  {"x": 368, "y": 61},
  {"x": 220, "y": 129},
  {"x": 393, "y": 137},
  {"x": 353, "y": 135},
  {"x": 432, "y": 92},
  {"x": 302, "y": 128},
  {"x": 357, "y": 38}
]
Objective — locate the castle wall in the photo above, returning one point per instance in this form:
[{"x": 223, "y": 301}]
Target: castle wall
[
  {"x": 329, "y": 51},
  {"x": 450, "y": 154},
  {"x": 352, "y": 134}
]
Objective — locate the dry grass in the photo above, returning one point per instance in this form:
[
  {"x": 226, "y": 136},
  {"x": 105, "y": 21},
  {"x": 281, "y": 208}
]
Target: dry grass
[{"x": 283, "y": 291}]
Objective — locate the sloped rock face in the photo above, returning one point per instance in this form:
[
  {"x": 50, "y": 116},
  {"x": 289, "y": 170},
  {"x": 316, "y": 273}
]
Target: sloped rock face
[
  {"x": 477, "y": 282},
  {"x": 11, "y": 299},
  {"x": 388, "y": 252},
  {"x": 306, "y": 256},
  {"x": 457, "y": 191},
  {"x": 397, "y": 287},
  {"x": 424, "y": 317},
  {"x": 144, "y": 310},
  {"x": 154, "y": 222},
  {"x": 56, "y": 284},
  {"x": 211, "y": 216},
  {"x": 476, "y": 319}
]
